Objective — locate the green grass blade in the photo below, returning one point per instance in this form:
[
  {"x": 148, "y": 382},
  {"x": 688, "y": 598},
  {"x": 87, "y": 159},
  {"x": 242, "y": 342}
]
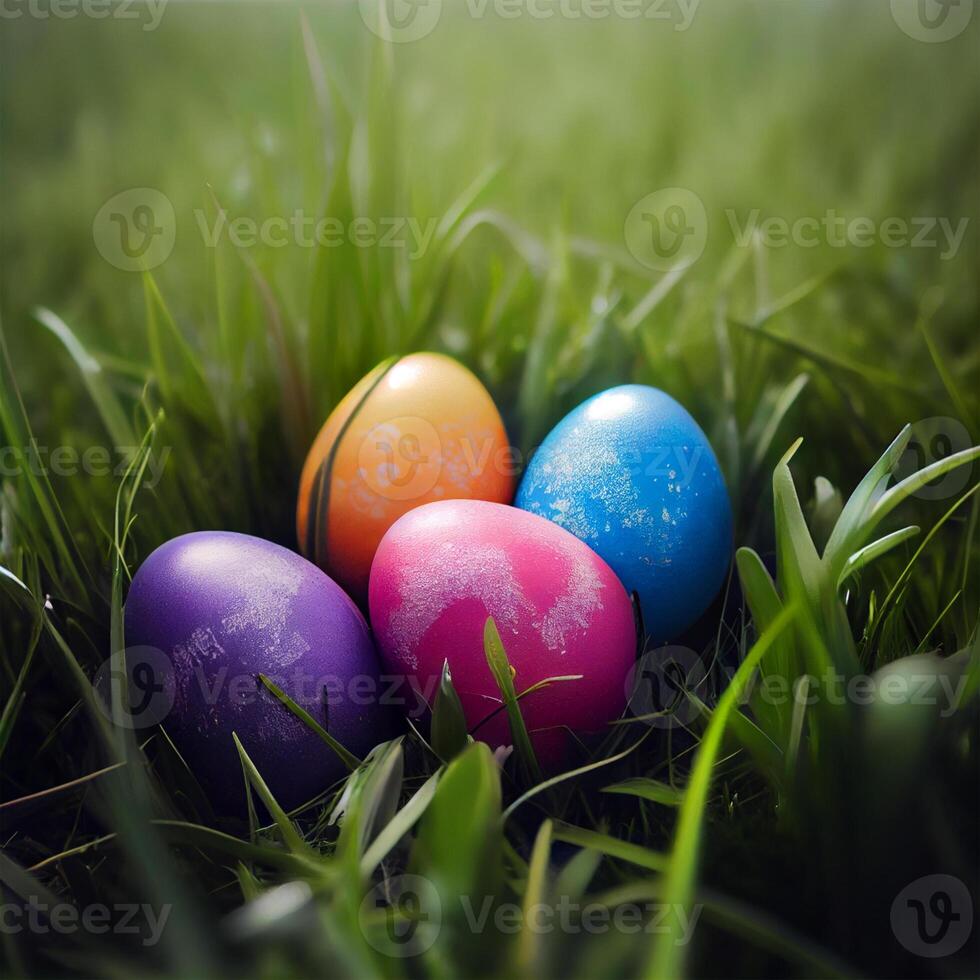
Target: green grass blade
[
  {"x": 667, "y": 960},
  {"x": 846, "y": 535},
  {"x": 528, "y": 948},
  {"x": 290, "y": 835},
  {"x": 872, "y": 552},
  {"x": 612, "y": 847},
  {"x": 448, "y": 734},
  {"x": 113, "y": 417},
  {"x": 348, "y": 758},
  {"x": 648, "y": 789},
  {"x": 396, "y": 828},
  {"x": 503, "y": 674},
  {"x": 902, "y": 491}
]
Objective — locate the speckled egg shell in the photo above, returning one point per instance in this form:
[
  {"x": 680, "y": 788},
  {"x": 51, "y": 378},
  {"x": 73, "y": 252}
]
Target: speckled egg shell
[
  {"x": 443, "y": 569},
  {"x": 631, "y": 474},
  {"x": 225, "y": 607},
  {"x": 416, "y": 429}
]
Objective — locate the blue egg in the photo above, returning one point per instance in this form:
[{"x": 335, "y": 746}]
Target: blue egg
[{"x": 631, "y": 474}]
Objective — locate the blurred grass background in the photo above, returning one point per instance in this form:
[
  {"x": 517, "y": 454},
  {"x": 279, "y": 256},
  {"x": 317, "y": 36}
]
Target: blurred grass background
[{"x": 529, "y": 141}]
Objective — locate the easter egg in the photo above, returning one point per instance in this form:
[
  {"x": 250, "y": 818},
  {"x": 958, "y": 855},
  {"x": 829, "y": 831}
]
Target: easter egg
[
  {"x": 416, "y": 429},
  {"x": 223, "y": 608},
  {"x": 631, "y": 474},
  {"x": 444, "y": 568}
]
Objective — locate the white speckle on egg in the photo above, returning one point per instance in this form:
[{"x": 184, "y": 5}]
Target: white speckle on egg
[
  {"x": 445, "y": 575},
  {"x": 574, "y": 608},
  {"x": 264, "y": 602}
]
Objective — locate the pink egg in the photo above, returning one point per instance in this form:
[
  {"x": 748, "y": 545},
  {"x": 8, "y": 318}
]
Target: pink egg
[{"x": 444, "y": 568}]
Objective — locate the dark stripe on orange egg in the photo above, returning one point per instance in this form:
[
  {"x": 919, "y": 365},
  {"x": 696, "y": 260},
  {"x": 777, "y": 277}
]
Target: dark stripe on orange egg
[{"x": 316, "y": 521}]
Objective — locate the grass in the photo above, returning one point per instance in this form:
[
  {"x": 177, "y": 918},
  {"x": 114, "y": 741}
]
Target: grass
[{"x": 783, "y": 831}]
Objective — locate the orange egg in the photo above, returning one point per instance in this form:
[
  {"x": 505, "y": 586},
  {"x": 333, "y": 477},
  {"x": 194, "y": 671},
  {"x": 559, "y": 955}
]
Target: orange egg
[{"x": 413, "y": 430}]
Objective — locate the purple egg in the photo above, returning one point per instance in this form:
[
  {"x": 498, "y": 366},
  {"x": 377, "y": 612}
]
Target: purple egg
[{"x": 223, "y": 608}]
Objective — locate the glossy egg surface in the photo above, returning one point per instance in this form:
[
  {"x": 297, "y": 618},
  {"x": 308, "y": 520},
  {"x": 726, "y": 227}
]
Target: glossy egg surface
[
  {"x": 224, "y": 607},
  {"x": 631, "y": 474},
  {"x": 444, "y": 568},
  {"x": 416, "y": 429}
]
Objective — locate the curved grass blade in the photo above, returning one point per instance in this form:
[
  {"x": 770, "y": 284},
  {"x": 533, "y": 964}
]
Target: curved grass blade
[
  {"x": 399, "y": 825},
  {"x": 612, "y": 847},
  {"x": 872, "y": 552},
  {"x": 901, "y": 491},
  {"x": 534, "y": 890},
  {"x": 648, "y": 789},
  {"x": 290, "y": 835},
  {"x": 208, "y": 838},
  {"x": 667, "y": 960},
  {"x": 348, "y": 758},
  {"x": 102, "y": 395},
  {"x": 847, "y": 530},
  {"x": 503, "y": 674},
  {"x": 448, "y": 734}
]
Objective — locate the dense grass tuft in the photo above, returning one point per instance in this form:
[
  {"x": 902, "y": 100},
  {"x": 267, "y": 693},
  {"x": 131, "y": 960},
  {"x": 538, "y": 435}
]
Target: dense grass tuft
[{"x": 784, "y": 829}]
